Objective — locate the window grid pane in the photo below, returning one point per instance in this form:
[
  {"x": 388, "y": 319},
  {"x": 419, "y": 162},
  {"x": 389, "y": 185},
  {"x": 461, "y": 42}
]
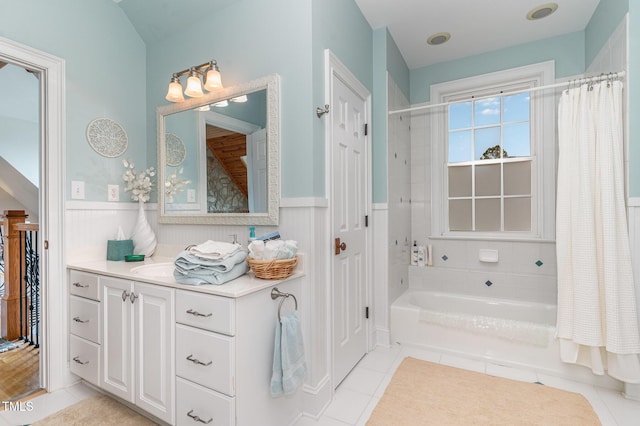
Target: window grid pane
[{"x": 500, "y": 191}]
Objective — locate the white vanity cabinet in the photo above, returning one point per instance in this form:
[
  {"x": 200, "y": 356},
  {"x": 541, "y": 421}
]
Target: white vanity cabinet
[
  {"x": 84, "y": 326},
  {"x": 138, "y": 344},
  {"x": 187, "y": 355}
]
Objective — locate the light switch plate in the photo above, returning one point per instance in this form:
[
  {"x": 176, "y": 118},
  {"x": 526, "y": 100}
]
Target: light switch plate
[
  {"x": 113, "y": 192},
  {"x": 77, "y": 190}
]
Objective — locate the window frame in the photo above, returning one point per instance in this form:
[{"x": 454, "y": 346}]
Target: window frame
[{"x": 543, "y": 147}]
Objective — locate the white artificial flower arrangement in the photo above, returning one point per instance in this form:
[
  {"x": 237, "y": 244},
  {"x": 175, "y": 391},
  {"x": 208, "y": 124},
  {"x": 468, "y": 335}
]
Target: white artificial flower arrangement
[
  {"x": 175, "y": 184},
  {"x": 139, "y": 183}
]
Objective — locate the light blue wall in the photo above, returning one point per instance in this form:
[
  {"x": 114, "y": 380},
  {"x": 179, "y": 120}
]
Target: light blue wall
[
  {"x": 603, "y": 22},
  {"x": 567, "y": 50},
  {"x": 250, "y": 39},
  {"x": 337, "y": 25},
  {"x": 105, "y": 73},
  {"x": 20, "y": 122}
]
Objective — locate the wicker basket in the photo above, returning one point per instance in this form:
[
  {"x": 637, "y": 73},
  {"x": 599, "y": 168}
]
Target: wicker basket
[{"x": 272, "y": 269}]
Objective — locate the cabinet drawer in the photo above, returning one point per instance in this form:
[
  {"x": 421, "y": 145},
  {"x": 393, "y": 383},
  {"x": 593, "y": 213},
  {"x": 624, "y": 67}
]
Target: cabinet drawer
[
  {"x": 206, "y": 358},
  {"x": 84, "y": 285},
  {"x": 194, "y": 400},
  {"x": 85, "y": 318},
  {"x": 84, "y": 357},
  {"x": 205, "y": 311}
]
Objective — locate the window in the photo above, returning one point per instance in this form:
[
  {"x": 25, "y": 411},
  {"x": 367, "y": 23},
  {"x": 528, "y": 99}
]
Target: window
[
  {"x": 489, "y": 148},
  {"x": 489, "y": 164}
]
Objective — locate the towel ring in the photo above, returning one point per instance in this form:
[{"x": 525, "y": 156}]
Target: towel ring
[{"x": 275, "y": 293}]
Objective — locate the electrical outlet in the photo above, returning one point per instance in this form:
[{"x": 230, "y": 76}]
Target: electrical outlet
[
  {"x": 191, "y": 195},
  {"x": 77, "y": 190},
  {"x": 113, "y": 192}
]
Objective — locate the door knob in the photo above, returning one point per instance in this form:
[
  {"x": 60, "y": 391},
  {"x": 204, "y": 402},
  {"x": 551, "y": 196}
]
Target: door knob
[{"x": 340, "y": 246}]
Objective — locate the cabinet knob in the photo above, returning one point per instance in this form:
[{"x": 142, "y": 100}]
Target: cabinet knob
[
  {"x": 197, "y": 418},
  {"x": 125, "y": 295},
  {"x": 77, "y": 319},
  {"x": 133, "y": 297}
]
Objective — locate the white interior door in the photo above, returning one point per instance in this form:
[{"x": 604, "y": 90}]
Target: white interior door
[{"x": 349, "y": 191}]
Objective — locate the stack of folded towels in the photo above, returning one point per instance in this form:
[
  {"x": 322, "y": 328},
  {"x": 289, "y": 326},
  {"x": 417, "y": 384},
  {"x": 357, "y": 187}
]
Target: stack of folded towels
[{"x": 212, "y": 262}]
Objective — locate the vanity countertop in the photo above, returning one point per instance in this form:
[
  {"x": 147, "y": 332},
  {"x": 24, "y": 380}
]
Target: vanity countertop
[{"x": 239, "y": 287}]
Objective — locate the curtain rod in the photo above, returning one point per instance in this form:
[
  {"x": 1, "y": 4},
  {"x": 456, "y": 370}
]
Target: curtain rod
[{"x": 583, "y": 80}]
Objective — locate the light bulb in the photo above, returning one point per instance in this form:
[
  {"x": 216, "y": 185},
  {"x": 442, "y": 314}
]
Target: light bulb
[
  {"x": 221, "y": 104},
  {"x": 240, "y": 99},
  {"x": 194, "y": 86},
  {"x": 214, "y": 80},
  {"x": 174, "y": 94}
]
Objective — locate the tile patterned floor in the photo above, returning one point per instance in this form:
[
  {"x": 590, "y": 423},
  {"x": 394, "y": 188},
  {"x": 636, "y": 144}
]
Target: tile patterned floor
[{"x": 358, "y": 394}]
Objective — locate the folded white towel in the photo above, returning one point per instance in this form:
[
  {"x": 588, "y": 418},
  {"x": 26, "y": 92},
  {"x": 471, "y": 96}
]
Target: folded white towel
[{"x": 215, "y": 250}]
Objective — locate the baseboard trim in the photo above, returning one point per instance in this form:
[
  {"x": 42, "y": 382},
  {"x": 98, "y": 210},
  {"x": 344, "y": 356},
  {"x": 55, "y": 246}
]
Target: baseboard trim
[{"x": 316, "y": 398}]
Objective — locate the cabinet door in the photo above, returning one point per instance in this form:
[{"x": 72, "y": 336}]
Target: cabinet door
[
  {"x": 117, "y": 337},
  {"x": 154, "y": 324}
]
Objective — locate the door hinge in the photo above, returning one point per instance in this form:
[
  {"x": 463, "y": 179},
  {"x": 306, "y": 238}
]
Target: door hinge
[
  {"x": 366, "y": 312},
  {"x": 366, "y": 221},
  {"x": 366, "y": 129}
]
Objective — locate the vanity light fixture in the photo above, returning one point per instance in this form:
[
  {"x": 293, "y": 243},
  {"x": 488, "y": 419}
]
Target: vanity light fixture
[{"x": 208, "y": 71}]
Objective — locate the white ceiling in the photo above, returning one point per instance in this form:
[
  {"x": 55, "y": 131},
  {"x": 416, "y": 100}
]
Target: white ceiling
[{"x": 476, "y": 26}]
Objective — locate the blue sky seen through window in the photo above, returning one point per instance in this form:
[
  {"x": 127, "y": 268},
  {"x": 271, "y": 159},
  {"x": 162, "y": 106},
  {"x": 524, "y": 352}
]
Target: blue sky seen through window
[{"x": 475, "y": 126}]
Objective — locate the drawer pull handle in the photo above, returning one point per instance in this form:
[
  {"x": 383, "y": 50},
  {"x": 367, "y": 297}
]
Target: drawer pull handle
[
  {"x": 198, "y": 314},
  {"x": 79, "y": 285},
  {"x": 77, "y": 359},
  {"x": 77, "y": 319},
  {"x": 197, "y": 361},
  {"x": 198, "y": 419}
]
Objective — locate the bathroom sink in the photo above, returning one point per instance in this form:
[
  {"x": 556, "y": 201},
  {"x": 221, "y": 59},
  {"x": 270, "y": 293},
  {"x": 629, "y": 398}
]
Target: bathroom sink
[{"x": 155, "y": 270}]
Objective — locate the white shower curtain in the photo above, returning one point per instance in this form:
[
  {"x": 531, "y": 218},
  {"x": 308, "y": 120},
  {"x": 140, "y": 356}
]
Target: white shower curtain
[{"x": 597, "y": 320}]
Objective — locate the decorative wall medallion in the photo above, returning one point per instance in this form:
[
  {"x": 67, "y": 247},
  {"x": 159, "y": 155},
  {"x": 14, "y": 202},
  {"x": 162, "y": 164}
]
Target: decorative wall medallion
[
  {"x": 176, "y": 152},
  {"x": 107, "y": 137}
]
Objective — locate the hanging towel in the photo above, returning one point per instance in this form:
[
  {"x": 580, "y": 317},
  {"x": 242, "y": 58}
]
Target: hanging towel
[
  {"x": 289, "y": 367},
  {"x": 215, "y": 250}
]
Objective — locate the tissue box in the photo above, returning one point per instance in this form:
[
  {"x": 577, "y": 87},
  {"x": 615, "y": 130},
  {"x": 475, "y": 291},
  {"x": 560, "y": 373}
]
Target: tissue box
[{"x": 118, "y": 249}]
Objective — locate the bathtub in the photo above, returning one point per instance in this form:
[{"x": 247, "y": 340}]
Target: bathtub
[
  {"x": 514, "y": 332},
  {"x": 499, "y": 331}
]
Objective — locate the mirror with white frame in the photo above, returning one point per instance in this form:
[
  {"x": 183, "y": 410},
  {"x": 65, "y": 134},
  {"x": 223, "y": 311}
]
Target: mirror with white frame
[{"x": 218, "y": 156}]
